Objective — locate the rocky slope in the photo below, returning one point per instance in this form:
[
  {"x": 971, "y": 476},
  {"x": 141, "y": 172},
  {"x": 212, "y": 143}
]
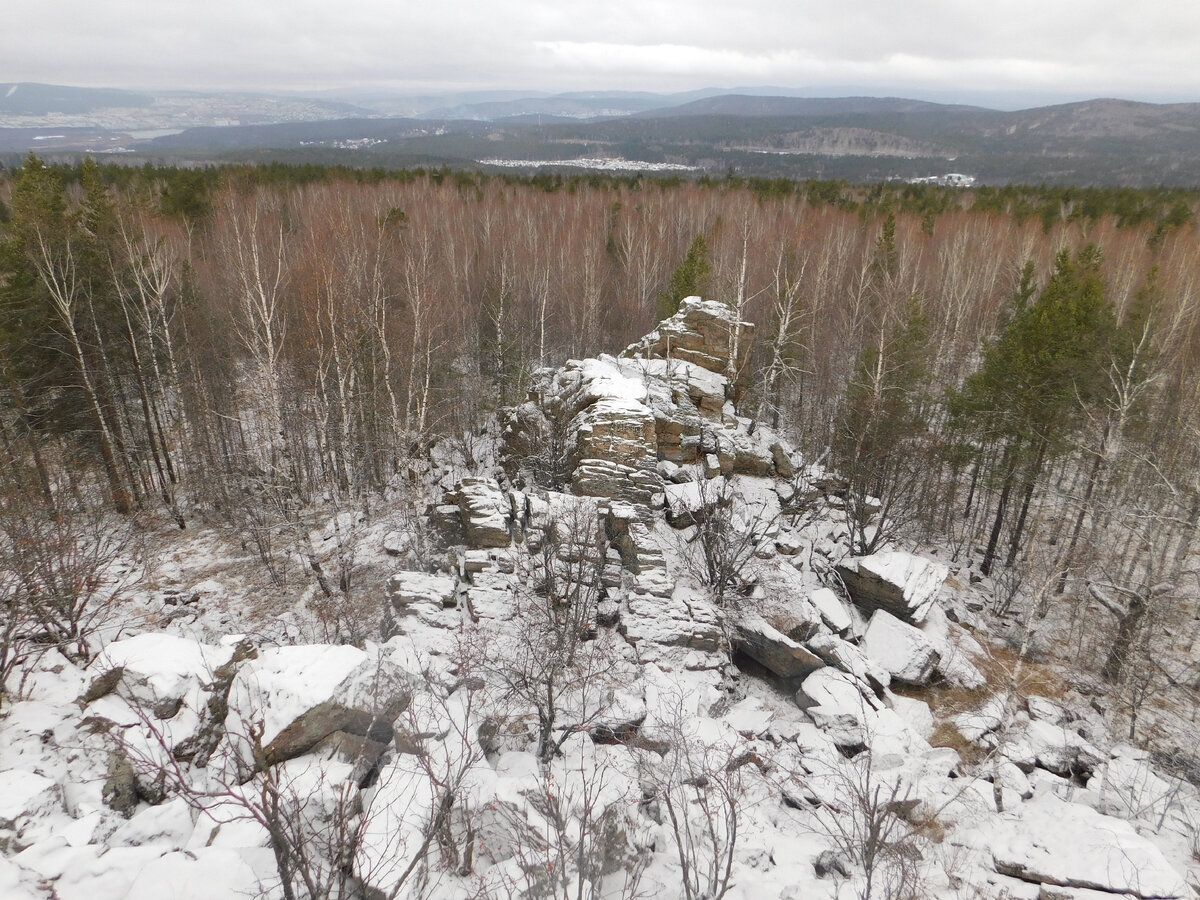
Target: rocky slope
[{"x": 640, "y": 662}]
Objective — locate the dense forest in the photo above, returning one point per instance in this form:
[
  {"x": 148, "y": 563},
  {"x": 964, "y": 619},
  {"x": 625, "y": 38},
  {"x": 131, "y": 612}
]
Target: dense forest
[{"x": 1014, "y": 371}]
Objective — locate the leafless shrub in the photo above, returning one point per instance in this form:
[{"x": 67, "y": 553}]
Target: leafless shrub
[
  {"x": 576, "y": 834},
  {"x": 61, "y": 578},
  {"x": 697, "y": 789},
  {"x": 349, "y": 818},
  {"x": 728, "y": 531},
  {"x": 553, "y": 662},
  {"x": 873, "y": 826}
]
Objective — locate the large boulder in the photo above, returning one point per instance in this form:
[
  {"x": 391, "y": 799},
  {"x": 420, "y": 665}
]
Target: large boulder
[
  {"x": 681, "y": 390},
  {"x": 290, "y": 699},
  {"x": 617, "y": 430},
  {"x": 773, "y": 649},
  {"x": 841, "y": 654},
  {"x": 1050, "y": 842},
  {"x": 900, "y": 583},
  {"x": 840, "y": 705},
  {"x": 955, "y": 648},
  {"x": 904, "y": 651}
]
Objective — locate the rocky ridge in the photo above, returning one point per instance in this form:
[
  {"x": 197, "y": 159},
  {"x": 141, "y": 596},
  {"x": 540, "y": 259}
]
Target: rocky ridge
[{"x": 587, "y": 571}]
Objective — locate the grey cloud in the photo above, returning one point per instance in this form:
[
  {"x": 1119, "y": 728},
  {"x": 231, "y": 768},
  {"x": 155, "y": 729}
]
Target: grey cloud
[{"x": 1103, "y": 46}]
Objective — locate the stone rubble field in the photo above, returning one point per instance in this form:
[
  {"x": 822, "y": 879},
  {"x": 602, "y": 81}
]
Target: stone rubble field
[{"x": 592, "y": 690}]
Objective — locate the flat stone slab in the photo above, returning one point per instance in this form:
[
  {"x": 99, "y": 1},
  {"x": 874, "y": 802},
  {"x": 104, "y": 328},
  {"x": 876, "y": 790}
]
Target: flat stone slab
[
  {"x": 1056, "y": 843},
  {"x": 772, "y": 648}
]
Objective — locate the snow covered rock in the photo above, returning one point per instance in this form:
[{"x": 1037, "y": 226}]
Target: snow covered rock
[
  {"x": 155, "y": 672},
  {"x": 397, "y": 543},
  {"x": 29, "y": 806},
  {"x": 492, "y": 595},
  {"x": 595, "y": 477},
  {"x": 408, "y": 589},
  {"x": 838, "y": 705},
  {"x": 1044, "y": 710},
  {"x": 973, "y": 725},
  {"x": 956, "y": 667},
  {"x": 903, "y": 650},
  {"x": 763, "y": 643},
  {"x": 686, "y": 499},
  {"x": 485, "y": 512},
  {"x": 955, "y": 648},
  {"x": 703, "y": 332},
  {"x": 1060, "y": 750},
  {"x": 916, "y": 714},
  {"x": 831, "y": 609},
  {"x": 604, "y": 425},
  {"x": 1131, "y": 789},
  {"x": 615, "y": 451},
  {"x": 199, "y": 874},
  {"x": 750, "y": 451},
  {"x": 290, "y": 699},
  {"x": 1051, "y": 842},
  {"x": 670, "y": 620},
  {"x": 1013, "y": 780},
  {"x": 850, "y": 659},
  {"x": 897, "y": 582},
  {"x": 634, "y": 540}
]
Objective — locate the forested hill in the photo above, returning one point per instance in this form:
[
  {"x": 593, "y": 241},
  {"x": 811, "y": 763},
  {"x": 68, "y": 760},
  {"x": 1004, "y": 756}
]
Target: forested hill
[
  {"x": 138, "y": 318},
  {"x": 1103, "y": 142}
]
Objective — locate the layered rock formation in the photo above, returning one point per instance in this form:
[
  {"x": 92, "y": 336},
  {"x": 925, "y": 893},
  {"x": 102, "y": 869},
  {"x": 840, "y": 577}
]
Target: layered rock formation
[
  {"x": 602, "y": 425},
  {"x": 560, "y": 670}
]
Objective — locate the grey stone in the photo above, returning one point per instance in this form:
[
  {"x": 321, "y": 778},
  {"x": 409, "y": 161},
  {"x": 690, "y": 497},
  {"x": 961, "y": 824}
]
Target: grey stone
[
  {"x": 485, "y": 512},
  {"x": 773, "y": 649},
  {"x": 900, "y": 583}
]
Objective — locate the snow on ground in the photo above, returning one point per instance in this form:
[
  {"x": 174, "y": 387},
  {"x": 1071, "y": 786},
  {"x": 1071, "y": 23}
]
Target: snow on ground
[
  {"x": 114, "y": 782},
  {"x": 599, "y": 163}
]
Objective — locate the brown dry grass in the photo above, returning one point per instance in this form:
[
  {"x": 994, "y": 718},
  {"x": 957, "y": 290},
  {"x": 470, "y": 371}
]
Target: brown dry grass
[
  {"x": 1037, "y": 678},
  {"x": 997, "y": 664},
  {"x": 946, "y": 735}
]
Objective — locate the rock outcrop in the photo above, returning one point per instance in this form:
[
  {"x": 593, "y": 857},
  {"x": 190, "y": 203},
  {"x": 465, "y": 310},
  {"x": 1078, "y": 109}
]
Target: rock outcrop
[
  {"x": 584, "y": 686},
  {"x": 602, "y": 425},
  {"x": 896, "y": 582},
  {"x": 486, "y": 512},
  {"x": 703, "y": 332}
]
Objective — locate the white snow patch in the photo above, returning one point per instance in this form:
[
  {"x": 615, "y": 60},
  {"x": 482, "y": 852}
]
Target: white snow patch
[
  {"x": 1067, "y": 844},
  {"x": 604, "y": 164}
]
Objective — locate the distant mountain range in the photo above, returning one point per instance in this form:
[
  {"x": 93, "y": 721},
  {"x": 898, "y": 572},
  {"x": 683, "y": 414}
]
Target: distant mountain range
[{"x": 756, "y": 132}]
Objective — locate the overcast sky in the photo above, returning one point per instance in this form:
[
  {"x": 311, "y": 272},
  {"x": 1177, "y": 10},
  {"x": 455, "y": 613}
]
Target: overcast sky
[{"x": 1086, "y": 48}]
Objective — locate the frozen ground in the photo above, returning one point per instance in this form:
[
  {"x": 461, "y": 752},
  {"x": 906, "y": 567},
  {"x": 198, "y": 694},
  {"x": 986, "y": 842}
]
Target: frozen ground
[{"x": 505, "y": 706}]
